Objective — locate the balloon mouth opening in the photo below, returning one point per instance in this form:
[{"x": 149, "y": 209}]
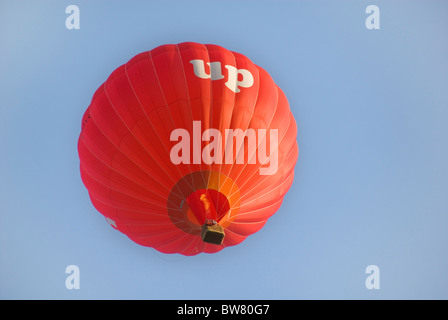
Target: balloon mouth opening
[
  {"x": 204, "y": 202},
  {"x": 207, "y": 206}
]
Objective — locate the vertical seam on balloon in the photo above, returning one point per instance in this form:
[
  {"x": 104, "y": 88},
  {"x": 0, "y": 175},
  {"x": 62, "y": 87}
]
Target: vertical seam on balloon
[
  {"x": 282, "y": 181},
  {"x": 163, "y": 94},
  {"x": 115, "y": 170},
  {"x": 144, "y": 111},
  {"x": 108, "y": 177},
  {"x": 278, "y": 144},
  {"x": 130, "y": 131},
  {"x": 127, "y": 77},
  {"x": 278, "y": 186},
  {"x": 253, "y": 110},
  {"x": 112, "y": 189},
  {"x": 189, "y": 101},
  {"x": 261, "y": 181},
  {"x": 94, "y": 196},
  {"x": 172, "y": 121},
  {"x": 173, "y": 233},
  {"x": 278, "y": 147},
  {"x": 177, "y": 238},
  {"x": 211, "y": 110},
  {"x": 270, "y": 206},
  {"x": 244, "y": 227},
  {"x": 268, "y": 125},
  {"x": 118, "y": 150},
  {"x": 109, "y": 186},
  {"x": 192, "y": 246},
  {"x": 165, "y": 229},
  {"x": 270, "y": 121},
  {"x": 192, "y": 118},
  {"x": 221, "y": 128}
]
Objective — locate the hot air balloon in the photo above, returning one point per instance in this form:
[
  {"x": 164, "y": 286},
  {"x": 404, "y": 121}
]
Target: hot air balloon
[{"x": 188, "y": 148}]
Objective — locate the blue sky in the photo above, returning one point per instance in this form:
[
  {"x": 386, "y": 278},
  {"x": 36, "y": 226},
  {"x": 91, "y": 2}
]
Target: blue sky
[{"x": 371, "y": 179}]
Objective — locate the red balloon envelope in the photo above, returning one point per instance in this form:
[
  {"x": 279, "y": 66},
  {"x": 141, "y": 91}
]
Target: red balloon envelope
[{"x": 188, "y": 148}]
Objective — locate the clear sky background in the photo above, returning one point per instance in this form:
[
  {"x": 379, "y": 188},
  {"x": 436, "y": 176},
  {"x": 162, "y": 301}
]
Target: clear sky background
[{"x": 371, "y": 179}]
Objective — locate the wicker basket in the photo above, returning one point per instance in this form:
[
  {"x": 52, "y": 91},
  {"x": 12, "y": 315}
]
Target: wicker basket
[{"x": 212, "y": 233}]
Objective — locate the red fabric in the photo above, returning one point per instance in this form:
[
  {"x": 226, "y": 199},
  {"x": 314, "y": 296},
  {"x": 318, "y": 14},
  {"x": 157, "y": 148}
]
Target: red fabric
[{"x": 125, "y": 145}]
